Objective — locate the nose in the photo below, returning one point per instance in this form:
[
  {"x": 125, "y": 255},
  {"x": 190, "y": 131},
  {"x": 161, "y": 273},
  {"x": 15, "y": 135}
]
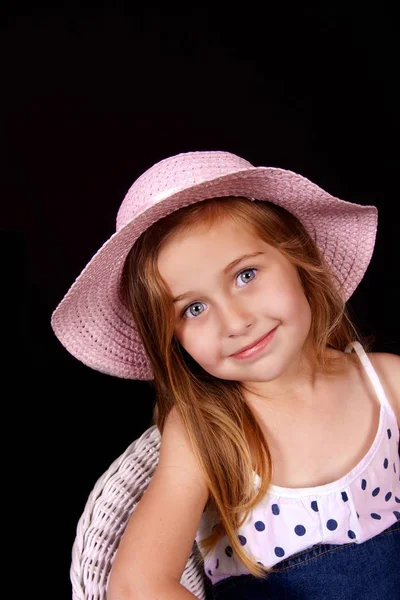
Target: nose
[{"x": 236, "y": 318}]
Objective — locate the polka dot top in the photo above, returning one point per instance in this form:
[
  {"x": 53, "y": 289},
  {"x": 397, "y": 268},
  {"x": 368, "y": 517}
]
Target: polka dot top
[{"x": 355, "y": 508}]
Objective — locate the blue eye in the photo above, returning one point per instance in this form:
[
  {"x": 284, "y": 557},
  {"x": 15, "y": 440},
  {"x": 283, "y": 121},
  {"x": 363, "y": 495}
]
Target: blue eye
[
  {"x": 246, "y": 271},
  {"x": 190, "y": 306},
  {"x": 183, "y": 314}
]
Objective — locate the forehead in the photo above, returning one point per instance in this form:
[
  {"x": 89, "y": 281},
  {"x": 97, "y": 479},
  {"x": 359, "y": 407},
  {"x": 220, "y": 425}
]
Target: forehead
[
  {"x": 223, "y": 240},
  {"x": 199, "y": 257}
]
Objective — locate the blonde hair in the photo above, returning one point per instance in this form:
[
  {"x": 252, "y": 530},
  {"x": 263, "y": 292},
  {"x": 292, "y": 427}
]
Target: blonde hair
[{"x": 221, "y": 426}]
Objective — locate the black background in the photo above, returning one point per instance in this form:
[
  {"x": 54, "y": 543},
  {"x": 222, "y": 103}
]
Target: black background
[{"x": 93, "y": 97}]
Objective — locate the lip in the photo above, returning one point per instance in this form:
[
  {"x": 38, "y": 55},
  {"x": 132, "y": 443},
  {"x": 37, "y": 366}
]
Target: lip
[{"x": 256, "y": 347}]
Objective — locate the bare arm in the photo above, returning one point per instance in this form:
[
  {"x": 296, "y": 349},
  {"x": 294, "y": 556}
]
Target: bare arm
[
  {"x": 159, "y": 536},
  {"x": 170, "y": 591},
  {"x": 388, "y": 369}
]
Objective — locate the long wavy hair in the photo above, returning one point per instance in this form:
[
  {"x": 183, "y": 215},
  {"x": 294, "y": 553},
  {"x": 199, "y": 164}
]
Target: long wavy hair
[{"x": 226, "y": 438}]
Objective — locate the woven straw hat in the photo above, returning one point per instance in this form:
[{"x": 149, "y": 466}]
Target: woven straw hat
[{"x": 97, "y": 329}]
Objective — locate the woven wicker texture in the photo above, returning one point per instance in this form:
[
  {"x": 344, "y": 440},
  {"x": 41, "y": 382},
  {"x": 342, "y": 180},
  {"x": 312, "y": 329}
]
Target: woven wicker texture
[
  {"x": 91, "y": 321},
  {"x": 108, "y": 508}
]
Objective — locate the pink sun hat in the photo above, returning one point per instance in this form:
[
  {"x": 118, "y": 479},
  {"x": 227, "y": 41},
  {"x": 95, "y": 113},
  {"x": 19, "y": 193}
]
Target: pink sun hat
[{"x": 96, "y": 328}]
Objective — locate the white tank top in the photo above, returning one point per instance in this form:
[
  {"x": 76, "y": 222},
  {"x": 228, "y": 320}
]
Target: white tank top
[{"x": 354, "y": 508}]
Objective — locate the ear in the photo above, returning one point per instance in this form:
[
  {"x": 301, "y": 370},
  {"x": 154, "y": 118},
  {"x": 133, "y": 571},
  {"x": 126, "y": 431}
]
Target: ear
[{"x": 387, "y": 367}]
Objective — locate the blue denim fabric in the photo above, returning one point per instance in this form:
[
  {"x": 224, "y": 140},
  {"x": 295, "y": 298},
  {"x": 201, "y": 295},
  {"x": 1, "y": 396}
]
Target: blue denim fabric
[{"x": 369, "y": 571}]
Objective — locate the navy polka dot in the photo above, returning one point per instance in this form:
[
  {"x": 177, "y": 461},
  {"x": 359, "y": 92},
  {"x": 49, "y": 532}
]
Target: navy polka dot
[
  {"x": 396, "y": 514},
  {"x": 385, "y": 463},
  {"x": 394, "y": 467},
  {"x": 397, "y": 499},
  {"x": 259, "y": 525},
  {"x": 209, "y": 572},
  {"x": 389, "y": 433},
  {"x": 275, "y": 509},
  {"x": 344, "y": 497},
  {"x": 279, "y": 551},
  {"x": 228, "y": 551},
  {"x": 300, "y": 530},
  {"x": 260, "y": 563},
  {"x": 242, "y": 539},
  {"x": 217, "y": 565},
  {"x": 376, "y": 516},
  {"x": 388, "y": 496},
  {"x": 351, "y": 534},
  {"x": 376, "y": 491},
  {"x": 314, "y": 505},
  {"x": 363, "y": 484},
  {"x": 358, "y": 515},
  {"x": 332, "y": 524}
]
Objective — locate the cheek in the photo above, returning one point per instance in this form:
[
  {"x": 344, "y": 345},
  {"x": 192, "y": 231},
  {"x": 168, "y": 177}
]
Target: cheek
[
  {"x": 290, "y": 303},
  {"x": 302, "y": 313},
  {"x": 280, "y": 306},
  {"x": 298, "y": 304},
  {"x": 198, "y": 345}
]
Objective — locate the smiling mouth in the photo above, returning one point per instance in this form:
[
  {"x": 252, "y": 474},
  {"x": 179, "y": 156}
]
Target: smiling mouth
[{"x": 253, "y": 346}]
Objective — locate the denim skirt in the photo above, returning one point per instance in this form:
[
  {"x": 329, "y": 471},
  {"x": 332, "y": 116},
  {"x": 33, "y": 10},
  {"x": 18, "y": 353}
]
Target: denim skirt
[{"x": 370, "y": 570}]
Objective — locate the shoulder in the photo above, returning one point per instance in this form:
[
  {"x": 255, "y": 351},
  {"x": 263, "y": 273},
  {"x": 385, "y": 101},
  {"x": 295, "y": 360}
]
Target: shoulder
[
  {"x": 177, "y": 451},
  {"x": 387, "y": 367}
]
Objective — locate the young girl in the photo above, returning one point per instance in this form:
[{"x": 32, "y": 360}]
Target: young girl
[{"x": 226, "y": 285}]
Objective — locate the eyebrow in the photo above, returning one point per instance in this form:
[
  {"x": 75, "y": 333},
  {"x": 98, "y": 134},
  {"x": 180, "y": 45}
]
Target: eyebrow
[{"x": 226, "y": 270}]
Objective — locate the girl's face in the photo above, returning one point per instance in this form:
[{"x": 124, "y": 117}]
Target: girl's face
[{"x": 226, "y": 309}]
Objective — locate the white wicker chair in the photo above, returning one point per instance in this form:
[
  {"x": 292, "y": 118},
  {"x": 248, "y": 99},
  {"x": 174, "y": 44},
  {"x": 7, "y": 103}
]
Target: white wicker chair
[{"x": 108, "y": 508}]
